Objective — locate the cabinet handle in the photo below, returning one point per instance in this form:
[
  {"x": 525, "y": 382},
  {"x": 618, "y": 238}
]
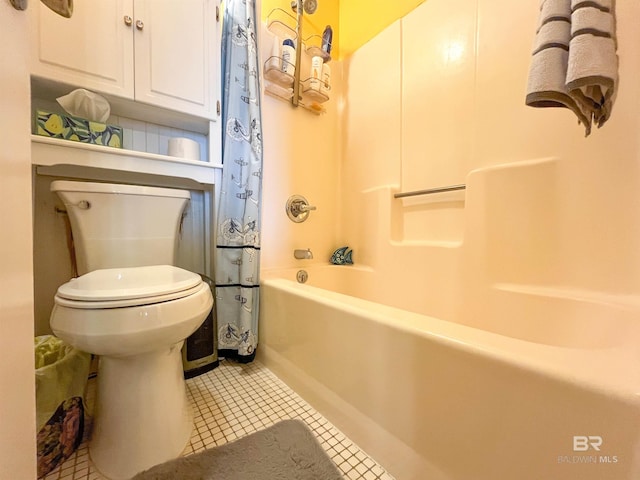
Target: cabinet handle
[
  {"x": 139, "y": 24},
  {"x": 128, "y": 21}
]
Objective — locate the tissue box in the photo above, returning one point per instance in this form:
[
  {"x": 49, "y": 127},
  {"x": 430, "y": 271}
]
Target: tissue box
[{"x": 77, "y": 129}]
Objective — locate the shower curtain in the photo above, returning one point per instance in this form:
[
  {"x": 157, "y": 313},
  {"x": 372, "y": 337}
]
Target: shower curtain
[{"x": 237, "y": 259}]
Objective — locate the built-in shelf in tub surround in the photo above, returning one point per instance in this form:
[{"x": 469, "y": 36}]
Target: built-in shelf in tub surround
[{"x": 51, "y": 152}]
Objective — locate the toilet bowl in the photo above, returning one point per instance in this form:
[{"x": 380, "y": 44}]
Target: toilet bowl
[
  {"x": 136, "y": 319},
  {"x": 134, "y": 309}
]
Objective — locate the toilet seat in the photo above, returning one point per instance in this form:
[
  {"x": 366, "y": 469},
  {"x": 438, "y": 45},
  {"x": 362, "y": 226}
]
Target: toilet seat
[{"x": 126, "y": 287}]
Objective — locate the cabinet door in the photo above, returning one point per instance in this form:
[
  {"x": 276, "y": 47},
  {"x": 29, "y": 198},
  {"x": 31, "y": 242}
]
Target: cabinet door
[
  {"x": 92, "y": 49},
  {"x": 175, "y": 54}
]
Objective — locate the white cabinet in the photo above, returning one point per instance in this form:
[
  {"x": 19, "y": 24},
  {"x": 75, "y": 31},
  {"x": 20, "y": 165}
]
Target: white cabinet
[
  {"x": 160, "y": 52},
  {"x": 92, "y": 49},
  {"x": 173, "y": 53}
]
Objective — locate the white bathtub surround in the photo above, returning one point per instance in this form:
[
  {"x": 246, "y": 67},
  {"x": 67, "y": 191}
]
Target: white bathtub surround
[
  {"x": 226, "y": 409},
  {"x": 501, "y": 348},
  {"x": 516, "y": 320}
]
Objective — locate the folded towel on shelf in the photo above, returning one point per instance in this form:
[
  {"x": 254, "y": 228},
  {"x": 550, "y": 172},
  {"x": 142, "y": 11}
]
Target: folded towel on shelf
[{"x": 574, "y": 62}]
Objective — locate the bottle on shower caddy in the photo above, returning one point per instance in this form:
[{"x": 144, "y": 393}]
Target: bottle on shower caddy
[
  {"x": 325, "y": 73},
  {"x": 325, "y": 84},
  {"x": 327, "y": 38},
  {"x": 315, "y": 79},
  {"x": 275, "y": 59},
  {"x": 288, "y": 57}
]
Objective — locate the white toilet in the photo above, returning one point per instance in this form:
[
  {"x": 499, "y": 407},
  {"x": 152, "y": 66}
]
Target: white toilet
[{"x": 134, "y": 309}]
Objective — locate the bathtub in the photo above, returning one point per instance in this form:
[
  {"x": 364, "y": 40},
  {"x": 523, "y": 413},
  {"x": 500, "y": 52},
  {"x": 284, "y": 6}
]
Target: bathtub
[{"x": 432, "y": 399}]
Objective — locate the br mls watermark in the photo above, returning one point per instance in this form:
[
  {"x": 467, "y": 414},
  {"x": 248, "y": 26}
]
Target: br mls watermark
[
  {"x": 582, "y": 443},
  {"x": 587, "y": 443}
]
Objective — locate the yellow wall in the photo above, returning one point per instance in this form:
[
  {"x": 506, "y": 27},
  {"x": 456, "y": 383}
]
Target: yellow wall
[
  {"x": 328, "y": 13},
  {"x": 361, "y": 20},
  {"x": 354, "y": 22}
]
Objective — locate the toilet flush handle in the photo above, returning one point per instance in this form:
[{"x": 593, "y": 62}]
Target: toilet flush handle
[{"x": 82, "y": 205}]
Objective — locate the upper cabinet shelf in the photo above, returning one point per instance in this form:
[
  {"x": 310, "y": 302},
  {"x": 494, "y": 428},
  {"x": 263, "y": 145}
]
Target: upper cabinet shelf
[{"x": 159, "y": 52}]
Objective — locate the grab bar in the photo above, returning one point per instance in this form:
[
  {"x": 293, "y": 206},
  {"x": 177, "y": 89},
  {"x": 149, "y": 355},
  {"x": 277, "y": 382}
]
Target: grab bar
[{"x": 429, "y": 191}]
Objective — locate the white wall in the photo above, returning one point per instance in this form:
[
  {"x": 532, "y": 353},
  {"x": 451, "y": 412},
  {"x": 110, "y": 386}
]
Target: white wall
[{"x": 17, "y": 390}]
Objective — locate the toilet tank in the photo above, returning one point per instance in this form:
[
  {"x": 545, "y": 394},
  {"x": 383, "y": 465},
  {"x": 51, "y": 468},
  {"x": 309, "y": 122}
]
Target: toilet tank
[{"x": 122, "y": 225}]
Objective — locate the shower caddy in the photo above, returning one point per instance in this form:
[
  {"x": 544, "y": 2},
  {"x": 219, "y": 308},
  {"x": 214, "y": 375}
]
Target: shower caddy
[{"x": 296, "y": 88}]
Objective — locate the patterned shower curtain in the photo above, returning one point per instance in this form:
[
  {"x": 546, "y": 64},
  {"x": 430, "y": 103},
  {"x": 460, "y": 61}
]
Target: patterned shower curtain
[{"x": 237, "y": 260}]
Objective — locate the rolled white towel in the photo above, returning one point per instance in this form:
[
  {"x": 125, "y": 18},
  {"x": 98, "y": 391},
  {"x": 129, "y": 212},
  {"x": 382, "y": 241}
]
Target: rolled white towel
[
  {"x": 604, "y": 5},
  {"x": 580, "y": 74},
  {"x": 554, "y": 10},
  {"x": 592, "y": 75},
  {"x": 553, "y": 34},
  {"x": 546, "y": 86},
  {"x": 591, "y": 20}
]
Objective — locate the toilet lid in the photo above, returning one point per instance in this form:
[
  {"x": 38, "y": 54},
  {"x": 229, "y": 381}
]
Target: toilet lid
[{"x": 129, "y": 283}]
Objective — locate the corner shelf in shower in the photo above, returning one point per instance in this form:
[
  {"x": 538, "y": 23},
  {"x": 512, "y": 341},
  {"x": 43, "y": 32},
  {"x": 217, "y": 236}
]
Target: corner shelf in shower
[{"x": 51, "y": 152}]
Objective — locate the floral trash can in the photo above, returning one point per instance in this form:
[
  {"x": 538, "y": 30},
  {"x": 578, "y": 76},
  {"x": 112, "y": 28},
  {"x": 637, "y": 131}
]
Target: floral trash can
[{"x": 61, "y": 381}]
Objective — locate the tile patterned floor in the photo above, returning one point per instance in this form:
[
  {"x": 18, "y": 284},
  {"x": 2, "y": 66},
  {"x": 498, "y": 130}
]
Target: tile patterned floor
[{"x": 226, "y": 409}]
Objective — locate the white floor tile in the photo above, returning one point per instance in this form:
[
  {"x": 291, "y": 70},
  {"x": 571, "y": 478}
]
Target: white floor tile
[{"x": 234, "y": 400}]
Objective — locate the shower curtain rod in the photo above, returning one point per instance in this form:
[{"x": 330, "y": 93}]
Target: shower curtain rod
[{"x": 430, "y": 191}]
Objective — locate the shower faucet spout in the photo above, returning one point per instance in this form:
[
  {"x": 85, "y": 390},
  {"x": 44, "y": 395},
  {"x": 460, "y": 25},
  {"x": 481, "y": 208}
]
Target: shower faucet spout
[{"x": 303, "y": 254}]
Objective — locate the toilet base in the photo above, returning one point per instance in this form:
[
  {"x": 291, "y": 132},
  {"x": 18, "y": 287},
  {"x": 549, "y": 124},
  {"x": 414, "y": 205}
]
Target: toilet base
[{"x": 142, "y": 416}]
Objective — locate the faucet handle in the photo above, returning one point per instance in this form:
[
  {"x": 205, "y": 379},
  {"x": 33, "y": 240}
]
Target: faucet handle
[
  {"x": 298, "y": 208},
  {"x": 303, "y": 207}
]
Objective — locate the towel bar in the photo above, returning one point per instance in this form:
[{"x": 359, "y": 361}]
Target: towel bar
[{"x": 429, "y": 191}]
